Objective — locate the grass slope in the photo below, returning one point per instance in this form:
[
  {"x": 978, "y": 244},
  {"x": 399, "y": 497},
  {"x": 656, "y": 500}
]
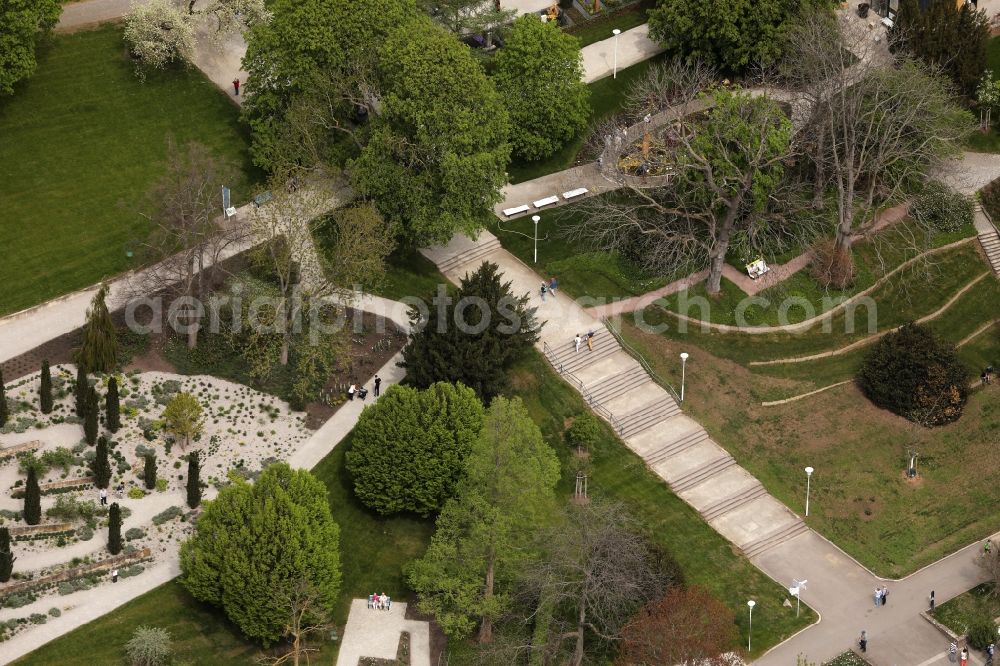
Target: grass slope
[{"x": 83, "y": 140}]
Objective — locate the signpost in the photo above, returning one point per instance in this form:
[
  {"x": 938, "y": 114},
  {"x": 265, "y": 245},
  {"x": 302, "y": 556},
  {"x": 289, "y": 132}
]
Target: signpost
[{"x": 796, "y": 590}]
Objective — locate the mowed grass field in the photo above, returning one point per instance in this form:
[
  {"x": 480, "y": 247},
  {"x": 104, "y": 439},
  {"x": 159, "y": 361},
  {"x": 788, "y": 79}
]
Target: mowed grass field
[{"x": 80, "y": 144}]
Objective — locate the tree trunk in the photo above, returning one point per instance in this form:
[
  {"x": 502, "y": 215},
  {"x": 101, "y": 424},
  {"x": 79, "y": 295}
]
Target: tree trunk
[
  {"x": 486, "y": 627},
  {"x": 717, "y": 257},
  {"x": 581, "y": 621}
]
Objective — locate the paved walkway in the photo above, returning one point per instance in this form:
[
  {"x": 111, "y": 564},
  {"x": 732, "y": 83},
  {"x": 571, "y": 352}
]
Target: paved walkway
[
  {"x": 634, "y": 46},
  {"x": 91, "y": 12},
  {"x": 375, "y": 633},
  {"x": 732, "y": 501}
]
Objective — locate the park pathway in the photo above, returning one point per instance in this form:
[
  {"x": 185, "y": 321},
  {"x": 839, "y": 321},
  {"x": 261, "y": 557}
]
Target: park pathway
[{"x": 647, "y": 417}]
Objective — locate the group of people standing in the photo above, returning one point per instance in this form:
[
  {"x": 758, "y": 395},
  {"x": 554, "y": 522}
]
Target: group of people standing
[
  {"x": 362, "y": 392},
  {"x": 881, "y": 596},
  {"x": 578, "y": 340},
  {"x": 548, "y": 287}
]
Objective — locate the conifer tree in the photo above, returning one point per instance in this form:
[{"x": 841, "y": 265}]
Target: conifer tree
[
  {"x": 6, "y": 556},
  {"x": 45, "y": 391},
  {"x": 80, "y": 390},
  {"x": 4, "y": 411},
  {"x": 193, "y": 480},
  {"x": 113, "y": 406},
  {"x": 149, "y": 471},
  {"x": 115, "y": 529},
  {"x": 99, "y": 351},
  {"x": 32, "y": 499},
  {"x": 90, "y": 417},
  {"x": 101, "y": 466}
]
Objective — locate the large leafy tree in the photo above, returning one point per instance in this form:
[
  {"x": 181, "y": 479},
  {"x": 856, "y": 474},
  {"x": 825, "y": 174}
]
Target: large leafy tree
[
  {"x": 465, "y": 16},
  {"x": 255, "y": 542},
  {"x": 438, "y": 152},
  {"x": 331, "y": 45},
  {"x": 729, "y": 34},
  {"x": 409, "y": 448},
  {"x": 183, "y": 418},
  {"x": 22, "y": 23},
  {"x": 539, "y": 75},
  {"x": 464, "y": 343},
  {"x": 949, "y": 35},
  {"x": 482, "y": 533}
]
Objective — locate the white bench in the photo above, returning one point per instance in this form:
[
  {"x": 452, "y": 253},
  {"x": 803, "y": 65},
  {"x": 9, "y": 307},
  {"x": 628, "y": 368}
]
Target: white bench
[
  {"x": 580, "y": 191},
  {"x": 547, "y": 201},
  {"x": 516, "y": 210},
  {"x": 757, "y": 268}
]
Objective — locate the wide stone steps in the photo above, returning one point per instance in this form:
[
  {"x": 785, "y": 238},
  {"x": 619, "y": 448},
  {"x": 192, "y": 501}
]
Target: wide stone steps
[
  {"x": 608, "y": 389},
  {"x": 646, "y": 417},
  {"x": 677, "y": 446},
  {"x": 775, "y": 538},
  {"x": 567, "y": 359},
  {"x": 702, "y": 473},
  {"x": 725, "y": 505},
  {"x": 475, "y": 252},
  {"x": 991, "y": 245}
]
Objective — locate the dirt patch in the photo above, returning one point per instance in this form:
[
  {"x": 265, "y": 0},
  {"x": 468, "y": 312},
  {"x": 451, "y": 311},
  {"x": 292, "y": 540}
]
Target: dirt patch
[{"x": 152, "y": 360}]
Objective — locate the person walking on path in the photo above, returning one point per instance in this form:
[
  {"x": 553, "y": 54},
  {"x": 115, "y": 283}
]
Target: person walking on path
[
  {"x": 878, "y": 597},
  {"x": 576, "y": 341},
  {"x": 989, "y": 654},
  {"x": 885, "y": 595},
  {"x": 986, "y": 547},
  {"x": 104, "y": 496},
  {"x": 553, "y": 283},
  {"x": 863, "y": 641},
  {"x": 542, "y": 291},
  {"x": 114, "y": 575},
  {"x": 378, "y": 385},
  {"x": 953, "y": 652},
  {"x": 932, "y": 601},
  {"x": 590, "y": 340},
  {"x": 236, "y": 86},
  {"x": 963, "y": 660}
]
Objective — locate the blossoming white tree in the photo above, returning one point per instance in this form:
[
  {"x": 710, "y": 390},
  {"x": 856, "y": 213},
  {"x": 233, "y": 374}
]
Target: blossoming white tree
[{"x": 158, "y": 33}]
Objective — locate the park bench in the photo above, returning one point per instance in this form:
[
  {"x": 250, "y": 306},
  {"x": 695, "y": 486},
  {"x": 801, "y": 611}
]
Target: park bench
[
  {"x": 757, "y": 268},
  {"x": 263, "y": 198},
  {"x": 547, "y": 201},
  {"x": 578, "y": 192},
  {"x": 517, "y": 210}
]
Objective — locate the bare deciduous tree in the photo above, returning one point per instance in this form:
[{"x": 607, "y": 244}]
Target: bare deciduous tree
[
  {"x": 306, "y": 617},
  {"x": 597, "y": 572},
  {"x": 188, "y": 237},
  {"x": 877, "y": 122},
  {"x": 720, "y": 180}
]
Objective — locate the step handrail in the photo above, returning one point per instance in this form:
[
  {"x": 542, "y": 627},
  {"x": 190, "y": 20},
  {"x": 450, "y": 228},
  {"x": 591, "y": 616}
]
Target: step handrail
[
  {"x": 601, "y": 410},
  {"x": 642, "y": 361}
]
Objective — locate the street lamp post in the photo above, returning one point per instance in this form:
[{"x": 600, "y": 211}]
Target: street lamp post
[
  {"x": 615, "y": 32},
  {"x": 684, "y": 358},
  {"x": 809, "y": 473},
  {"x": 536, "y": 220},
  {"x": 751, "y": 604}
]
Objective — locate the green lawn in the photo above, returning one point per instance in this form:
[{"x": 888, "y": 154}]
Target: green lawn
[
  {"x": 860, "y": 498},
  {"x": 963, "y": 611},
  {"x": 606, "y": 98},
  {"x": 409, "y": 273},
  {"x": 580, "y": 271},
  {"x": 83, "y": 140},
  {"x": 598, "y": 29},
  {"x": 617, "y": 473}
]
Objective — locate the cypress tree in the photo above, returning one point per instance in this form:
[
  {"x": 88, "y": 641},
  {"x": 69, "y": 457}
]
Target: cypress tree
[
  {"x": 90, "y": 417},
  {"x": 101, "y": 466},
  {"x": 193, "y": 480},
  {"x": 45, "y": 391},
  {"x": 32, "y": 499},
  {"x": 4, "y": 412},
  {"x": 113, "y": 406},
  {"x": 6, "y": 556},
  {"x": 149, "y": 471},
  {"x": 99, "y": 351},
  {"x": 115, "y": 529},
  {"x": 80, "y": 390}
]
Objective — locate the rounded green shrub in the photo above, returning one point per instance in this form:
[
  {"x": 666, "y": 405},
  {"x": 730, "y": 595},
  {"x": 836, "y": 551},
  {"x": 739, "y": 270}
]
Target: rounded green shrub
[
  {"x": 942, "y": 209},
  {"x": 982, "y": 632}
]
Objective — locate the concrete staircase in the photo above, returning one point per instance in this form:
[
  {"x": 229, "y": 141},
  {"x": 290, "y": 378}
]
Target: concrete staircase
[
  {"x": 646, "y": 417},
  {"x": 477, "y": 251},
  {"x": 679, "y": 445},
  {"x": 618, "y": 385},
  {"x": 724, "y": 506},
  {"x": 702, "y": 473},
  {"x": 567, "y": 359},
  {"x": 990, "y": 240},
  {"x": 774, "y": 538}
]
